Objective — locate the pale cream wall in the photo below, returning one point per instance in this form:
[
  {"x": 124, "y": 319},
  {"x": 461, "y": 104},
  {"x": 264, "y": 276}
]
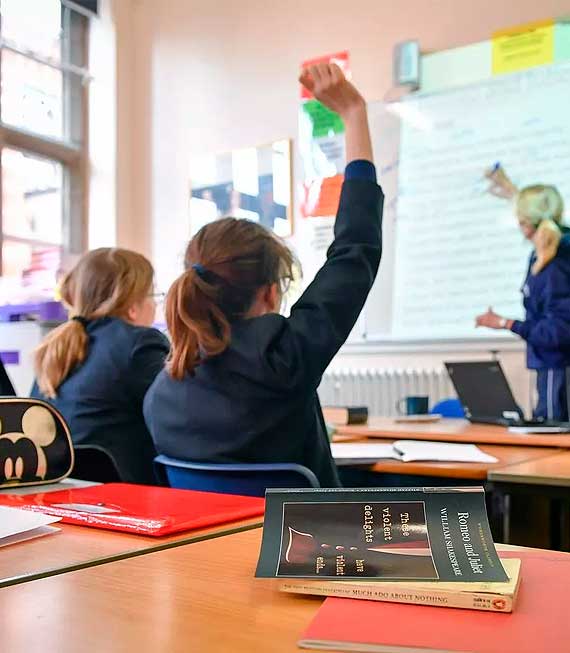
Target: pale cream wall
[{"x": 197, "y": 75}]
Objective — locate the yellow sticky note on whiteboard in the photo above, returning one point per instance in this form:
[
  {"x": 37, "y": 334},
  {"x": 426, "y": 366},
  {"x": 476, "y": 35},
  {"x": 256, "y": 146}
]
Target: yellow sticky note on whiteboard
[{"x": 523, "y": 47}]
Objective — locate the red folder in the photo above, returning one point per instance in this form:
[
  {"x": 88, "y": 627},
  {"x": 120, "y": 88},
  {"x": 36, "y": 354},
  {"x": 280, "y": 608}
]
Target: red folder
[
  {"x": 539, "y": 623},
  {"x": 142, "y": 509}
]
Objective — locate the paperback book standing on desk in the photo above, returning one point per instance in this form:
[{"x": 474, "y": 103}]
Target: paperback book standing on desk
[{"x": 392, "y": 533}]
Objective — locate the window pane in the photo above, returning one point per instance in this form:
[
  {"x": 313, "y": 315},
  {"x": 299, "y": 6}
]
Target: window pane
[
  {"x": 32, "y": 95},
  {"x": 32, "y": 197},
  {"x": 33, "y": 25},
  {"x": 34, "y": 266}
]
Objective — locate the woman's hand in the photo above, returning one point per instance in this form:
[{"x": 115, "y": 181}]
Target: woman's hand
[
  {"x": 492, "y": 320},
  {"x": 501, "y": 185},
  {"x": 329, "y": 85}
]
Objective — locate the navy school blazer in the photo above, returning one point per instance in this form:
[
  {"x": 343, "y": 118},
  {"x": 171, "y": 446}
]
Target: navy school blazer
[
  {"x": 257, "y": 401},
  {"x": 102, "y": 398},
  {"x": 546, "y": 327}
]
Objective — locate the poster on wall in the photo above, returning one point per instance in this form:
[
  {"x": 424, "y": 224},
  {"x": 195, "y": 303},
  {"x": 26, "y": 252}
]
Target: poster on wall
[
  {"x": 534, "y": 44},
  {"x": 524, "y": 46},
  {"x": 252, "y": 183},
  {"x": 323, "y": 157}
]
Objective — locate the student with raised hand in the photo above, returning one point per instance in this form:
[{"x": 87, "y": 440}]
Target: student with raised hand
[
  {"x": 241, "y": 380},
  {"x": 96, "y": 368}
]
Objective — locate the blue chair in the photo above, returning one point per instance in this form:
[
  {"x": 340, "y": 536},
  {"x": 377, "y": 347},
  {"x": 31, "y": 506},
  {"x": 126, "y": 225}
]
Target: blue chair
[
  {"x": 448, "y": 408},
  {"x": 245, "y": 479}
]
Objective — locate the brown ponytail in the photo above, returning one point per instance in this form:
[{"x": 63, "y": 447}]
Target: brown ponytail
[
  {"x": 226, "y": 263},
  {"x": 106, "y": 282},
  {"x": 59, "y": 353}
]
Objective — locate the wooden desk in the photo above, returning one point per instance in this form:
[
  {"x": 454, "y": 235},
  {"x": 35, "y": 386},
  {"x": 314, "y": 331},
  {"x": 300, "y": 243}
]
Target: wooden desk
[
  {"x": 451, "y": 430},
  {"x": 507, "y": 456},
  {"x": 193, "y": 598},
  {"x": 549, "y": 470},
  {"x": 552, "y": 474},
  {"x": 77, "y": 547},
  {"x": 198, "y": 598}
]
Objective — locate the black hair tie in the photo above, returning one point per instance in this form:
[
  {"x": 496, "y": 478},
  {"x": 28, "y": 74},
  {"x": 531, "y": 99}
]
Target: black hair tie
[{"x": 82, "y": 320}]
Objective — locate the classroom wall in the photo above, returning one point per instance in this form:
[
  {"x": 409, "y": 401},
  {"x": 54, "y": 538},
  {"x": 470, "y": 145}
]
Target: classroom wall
[{"x": 197, "y": 75}]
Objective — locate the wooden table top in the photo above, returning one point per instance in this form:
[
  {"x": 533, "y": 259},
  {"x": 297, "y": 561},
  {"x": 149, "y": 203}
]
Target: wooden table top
[
  {"x": 193, "y": 598},
  {"x": 507, "y": 455},
  {"x": 76, "y": 547},
  {"x": 450, "y": 430},
  {"x": 548, "y": 470}
]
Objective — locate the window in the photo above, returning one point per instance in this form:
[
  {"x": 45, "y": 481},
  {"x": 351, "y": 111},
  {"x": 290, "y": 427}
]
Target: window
[{"x": 43, "y": 99}]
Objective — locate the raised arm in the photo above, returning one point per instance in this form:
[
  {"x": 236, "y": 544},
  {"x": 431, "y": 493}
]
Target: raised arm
[
  {"x": 322, "y": 319},
  {"x": 501, "y": 185}
]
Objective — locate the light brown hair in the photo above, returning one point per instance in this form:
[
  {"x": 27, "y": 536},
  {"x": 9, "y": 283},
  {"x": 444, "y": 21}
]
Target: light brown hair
[
  {"x": 106, "y": 282},
  {"x": 226, "y": 263}
]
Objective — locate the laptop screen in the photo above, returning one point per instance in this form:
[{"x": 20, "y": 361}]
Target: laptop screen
[{"x": 483, "y": 390}]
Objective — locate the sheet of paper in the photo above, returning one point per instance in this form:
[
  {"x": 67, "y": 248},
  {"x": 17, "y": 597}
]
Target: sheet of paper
[
  {"x": 350, "y": 451},
  {"x": 14, "y": 521},
  {"x": 409, "y": 451},
  {"x": 412, "y": 450},
  {"x": 523, "y": 46},
  {"x": 29, "y": 535}
]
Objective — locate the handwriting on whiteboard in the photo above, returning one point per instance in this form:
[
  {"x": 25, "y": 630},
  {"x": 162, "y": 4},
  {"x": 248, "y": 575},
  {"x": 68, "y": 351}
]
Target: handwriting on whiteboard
[{"x": 458, "y": 249}]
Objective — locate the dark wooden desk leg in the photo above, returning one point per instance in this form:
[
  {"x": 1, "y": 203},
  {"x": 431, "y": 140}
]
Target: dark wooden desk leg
[
  {"x": 506, "y": 518},
  {"x": 565, "y": 525},
  {"x": 556, "y": 523}
]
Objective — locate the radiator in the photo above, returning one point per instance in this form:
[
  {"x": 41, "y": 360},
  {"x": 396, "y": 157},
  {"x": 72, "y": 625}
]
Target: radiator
[{"x": 380, "y": 389}]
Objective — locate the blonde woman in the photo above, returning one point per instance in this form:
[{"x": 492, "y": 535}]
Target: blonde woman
[
  {"x": 546, "y": 290},
  {"x": 96, "y": 368}
]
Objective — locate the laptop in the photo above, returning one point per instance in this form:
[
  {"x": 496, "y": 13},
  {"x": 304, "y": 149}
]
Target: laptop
[{"x": 486, "y": 397}]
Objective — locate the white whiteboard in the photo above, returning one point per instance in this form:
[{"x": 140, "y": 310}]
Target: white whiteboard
[{"x": 451, "y": 249}]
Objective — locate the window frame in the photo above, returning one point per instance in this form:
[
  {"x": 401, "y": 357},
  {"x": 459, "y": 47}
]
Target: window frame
[{"x": 73, "y": 157}]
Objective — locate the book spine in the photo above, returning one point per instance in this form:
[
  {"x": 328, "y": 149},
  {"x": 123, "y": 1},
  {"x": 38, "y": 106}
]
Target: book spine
[{"x": 471, "y": 601}]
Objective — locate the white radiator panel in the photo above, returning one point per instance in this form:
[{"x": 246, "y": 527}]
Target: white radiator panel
[{"x": 381, "y": 389}]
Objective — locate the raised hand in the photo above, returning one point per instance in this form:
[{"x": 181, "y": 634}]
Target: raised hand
[
  {"x": 329, "y": 85},
  {"x": 501, "y": 185}
]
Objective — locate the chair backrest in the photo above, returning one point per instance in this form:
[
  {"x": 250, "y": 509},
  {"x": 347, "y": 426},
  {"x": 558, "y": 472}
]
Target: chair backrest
[
  {"x": 244, "y": 479},
  {"x": 94, "y": 464},
  {"x": 6, "y": 386},
  {"x": 448, "y": 408}
]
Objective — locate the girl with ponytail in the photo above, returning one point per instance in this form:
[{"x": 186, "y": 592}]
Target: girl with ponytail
[
  {"x": 546, "y": 327},
  {"x": 240, "y": 382},
  {"x": 96, "y": 367}
]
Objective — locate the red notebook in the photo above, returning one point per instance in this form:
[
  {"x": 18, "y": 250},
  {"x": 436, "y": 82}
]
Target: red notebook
[
  {"x": 142, "y": 509},
  {"x": 539, "y": 623}
]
